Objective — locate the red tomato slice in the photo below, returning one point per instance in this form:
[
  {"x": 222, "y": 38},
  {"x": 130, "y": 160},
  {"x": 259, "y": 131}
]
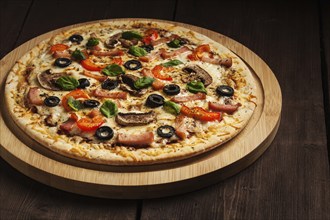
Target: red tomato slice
[
  {"x": 117, "y": 60},
  {"x": 200, "y": 113},
  {"x": 203, "y": 115},
  {"x": 90, "y": 124},
  {"x": 78, "y": 93},
  {"x": 201, "y": 49},
  {"x": 151, "y": 35},
  {"x": 88, "y": 64},
  {"x": 58, "y": 47},
  {"x": 156, "y": 72}
]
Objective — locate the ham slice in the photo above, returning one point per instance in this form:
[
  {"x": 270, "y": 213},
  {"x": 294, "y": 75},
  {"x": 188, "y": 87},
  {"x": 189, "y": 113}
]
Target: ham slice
[
  {"x": 102, "y": 93},
  {"x": 181, "y": 99},
  {"x": 227, "y": 62},
  {"x": 181, "y": 129},
  {"x": 33, "y": 96},
  {"x": 165, "y": 55},
  {"x": 229, "y": 109},
  {"x": 68, "y": 125},
  {"x": 111, "y": 53},
  {"x": 61, "y": 54},
  {"x": 136, "y": 140},
  {"x": 95, "y": 76}
]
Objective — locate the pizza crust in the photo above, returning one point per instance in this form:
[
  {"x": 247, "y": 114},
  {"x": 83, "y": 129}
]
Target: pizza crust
[{"x": 122, "y": 155}]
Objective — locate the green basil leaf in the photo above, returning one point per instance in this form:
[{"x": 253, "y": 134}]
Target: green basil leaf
[
  {"x": 113, "y": 70},
  {"x": 129, "y": 35},
  {"x": 109, "y": 109},
  {"x": 196, "y": 86},
  {"x": 74, "y": 104},
  {"x": 67, "y": 83},
  {"x": 172, "y": 107},
  {"x": 143, "y": 82},
  {"x": 92, "y": 42},
  {"x": 176, "y": 43},
  {"x": 137, "y": 51},
  {"x": 172, "y": 63},
  {"x": 78, "y": 55}
]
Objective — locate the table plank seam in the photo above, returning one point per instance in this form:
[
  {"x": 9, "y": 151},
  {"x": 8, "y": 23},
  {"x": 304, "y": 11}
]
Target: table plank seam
[
  {"x": 324, "y": 75},
  {"x": 23, "y": 24}
]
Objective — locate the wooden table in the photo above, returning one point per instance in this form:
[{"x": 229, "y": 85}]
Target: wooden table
[{"x": 290, "y": 180}]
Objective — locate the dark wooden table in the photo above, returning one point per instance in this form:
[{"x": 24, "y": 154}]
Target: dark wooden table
[{"x": 289, "y": 181}]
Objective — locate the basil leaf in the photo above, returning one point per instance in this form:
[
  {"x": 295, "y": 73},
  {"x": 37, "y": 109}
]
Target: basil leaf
[
  {"x": 172, "y": 63},
  {"x": 172, "y": 107},
  {"x": 137, "y": 51},
  {"x": 67, "y": 83},
  {"x": 109, "y": 109},
  {"x": 143, "y": 82},
  {"x": 129, "y": 35},
  {"x": 78, "y": 55},
  {"x": 176, "y": 43},
  {"x": 196, "y": 86},
  {"x": 74, "y": 104},
  {"x": 113, "y": 70},
  {"x": 92, "y": 42}
]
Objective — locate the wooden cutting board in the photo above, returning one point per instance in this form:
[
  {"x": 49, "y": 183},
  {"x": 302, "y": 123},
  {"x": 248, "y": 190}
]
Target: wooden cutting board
[{"x": 150, "y": 181}]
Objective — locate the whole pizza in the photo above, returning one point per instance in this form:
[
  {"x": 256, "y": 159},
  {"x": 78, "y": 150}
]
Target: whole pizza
[{"x": 130, "y": 93}]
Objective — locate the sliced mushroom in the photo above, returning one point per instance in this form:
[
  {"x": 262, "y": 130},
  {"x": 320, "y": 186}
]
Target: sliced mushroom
[
  {"x": 133, "y": 92},
  {"x": 128, "y": 79},
  {"x": 128, "y": 43},
  {"x": 134, "y": 119},
  {"x": 112, "y": 41},
  {"x": 127, "y": 85},
  {"x": 47, "y": 79},
  {"x": 197, "y": 73}
]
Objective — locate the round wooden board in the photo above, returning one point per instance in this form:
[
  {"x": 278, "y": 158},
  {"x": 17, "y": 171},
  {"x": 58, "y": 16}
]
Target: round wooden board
[{"x": 150, "y": 181}]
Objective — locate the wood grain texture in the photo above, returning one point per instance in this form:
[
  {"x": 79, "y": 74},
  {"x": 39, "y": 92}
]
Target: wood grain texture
[
  {"x": 150, "y": 181},
  {"x": 325, "y": 56},
  {"x": 291, "y": 180}
]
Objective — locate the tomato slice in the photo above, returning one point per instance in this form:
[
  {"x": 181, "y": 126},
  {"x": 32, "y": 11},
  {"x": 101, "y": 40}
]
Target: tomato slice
[
  {"x": 117, "y": 60},
  {"x": 58, "y": 47},
  {"x": 150, "y": 35},
  {"x": 201, "y": 49},
  {"x": 156, "y": 72},
  {"x": 200, "y": 113},
  {"x": 78, "y": 93},
  {"x": 90, "y": 124},
  {"x": 203, "y": 115},
  {"x": 186, "y": 111},
  {"x": 88, "y": 64}
]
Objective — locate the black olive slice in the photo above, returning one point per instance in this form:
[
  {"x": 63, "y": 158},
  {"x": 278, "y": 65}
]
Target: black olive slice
[
  {"x": 104, "y": 133},
  {"x": 147, "y": 48},
  {"x": 166, "y": 131},
  {"x": 83, "y": 83},
  {"x": 62, "y": 62},
  {"x": 76, "y": 38},
  {"x": 154, "y": 101},
  {"x": 109, "y": 84},
  {"x": 91, "y": 103},
  {"x": 133, "y": 65},
  {"x": 224, "y": 90},
  {"x": 171, "y": 89},
  {"x": 52, "y": 101}
]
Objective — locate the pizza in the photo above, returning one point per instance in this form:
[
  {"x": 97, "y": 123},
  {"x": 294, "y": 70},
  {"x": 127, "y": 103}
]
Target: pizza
[{"x": 130, "y": 93}]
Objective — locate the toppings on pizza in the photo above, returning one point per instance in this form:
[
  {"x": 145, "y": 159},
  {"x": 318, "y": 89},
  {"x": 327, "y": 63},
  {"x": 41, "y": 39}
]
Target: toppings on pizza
[
  {"x": 33, "y": 96},
  {"x": 136, "y": 140},
  {"x": 134, "y": 118},
  {"x": 197, "y": 73},
  {"x": 143, "y": 89}
]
